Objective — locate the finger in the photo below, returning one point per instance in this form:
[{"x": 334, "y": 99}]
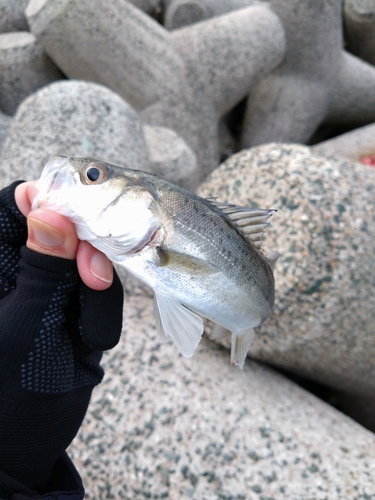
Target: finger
[
  {"x": 24, "y": 196},
  {"x": 94, "y": 267},
  {"x": 51, "y": 234}
]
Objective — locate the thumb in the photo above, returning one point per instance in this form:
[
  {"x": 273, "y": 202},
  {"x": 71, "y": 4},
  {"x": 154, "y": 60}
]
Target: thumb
[{"x": 50, "y": 233}]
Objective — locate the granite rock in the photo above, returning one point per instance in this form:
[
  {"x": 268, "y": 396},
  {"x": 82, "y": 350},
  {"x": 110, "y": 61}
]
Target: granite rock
[
  {"x": 163, "y": 426},
  {"x": 24, "y": 68},
  {"x": 359, "y": 18},
  {"x": 185, "y": 90},
  {"x": 352, "y": 145},
  {"x": 322, "y": 326},
  {"x": 71, "y": 118}
]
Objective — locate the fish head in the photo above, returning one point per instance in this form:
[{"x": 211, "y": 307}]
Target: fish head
[{"x": 109, "y": 205}]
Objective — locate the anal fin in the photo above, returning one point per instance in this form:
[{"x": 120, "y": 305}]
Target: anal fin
[
  {"x": 163, "y": 337},
  {"x": 218, "y": 332}
]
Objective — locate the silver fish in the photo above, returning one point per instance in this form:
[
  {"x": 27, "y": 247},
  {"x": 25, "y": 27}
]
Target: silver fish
[{"x": 201, "y": 257}]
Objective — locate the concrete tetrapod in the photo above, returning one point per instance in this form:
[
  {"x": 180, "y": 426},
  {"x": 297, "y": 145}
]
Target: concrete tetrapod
[
  {"x": 317, "y": 82},
  {"x": 180, "y": 90}
]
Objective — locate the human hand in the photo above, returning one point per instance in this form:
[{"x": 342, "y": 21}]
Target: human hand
[
  {"x": 53, "y": 329},
  {"x": 50, "y": 233}
]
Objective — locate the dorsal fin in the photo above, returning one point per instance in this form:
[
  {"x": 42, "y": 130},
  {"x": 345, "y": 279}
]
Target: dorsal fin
[{"x": 251, "y": 221}]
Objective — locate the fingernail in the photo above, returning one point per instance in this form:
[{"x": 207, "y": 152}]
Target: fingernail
[
  {"x": 101, "y": 268},
  {"x": 45, "y": 234}
]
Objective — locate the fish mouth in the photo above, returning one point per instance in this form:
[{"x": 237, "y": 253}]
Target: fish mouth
[{"x": 55, "y": 174}]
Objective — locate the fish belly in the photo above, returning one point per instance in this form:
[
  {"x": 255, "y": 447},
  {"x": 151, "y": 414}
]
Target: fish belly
[{"x": 216, "y": 297}]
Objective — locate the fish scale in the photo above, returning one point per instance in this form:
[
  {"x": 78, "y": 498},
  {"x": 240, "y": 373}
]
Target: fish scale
[
  {"x": 201, "y": 257},
  {"x": 202, "y": 216}
]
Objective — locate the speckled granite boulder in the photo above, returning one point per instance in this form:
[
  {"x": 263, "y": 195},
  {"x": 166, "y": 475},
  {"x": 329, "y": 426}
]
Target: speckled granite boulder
[
  {"x": 71, "y": 118},
  {"x": 24, "y": 68},
  {"x": 163, "y": 426},
  {"x": 322, "y": 326}
]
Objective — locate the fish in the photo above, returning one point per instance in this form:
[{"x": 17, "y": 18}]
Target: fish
[{"x": 201, "y": 257}]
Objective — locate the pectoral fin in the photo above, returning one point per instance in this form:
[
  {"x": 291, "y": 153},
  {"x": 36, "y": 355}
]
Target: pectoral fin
[
  {"x": 185, "y": 264},
  {"x": 240, "y": 345},
  {"x": 175, "y": 320}
]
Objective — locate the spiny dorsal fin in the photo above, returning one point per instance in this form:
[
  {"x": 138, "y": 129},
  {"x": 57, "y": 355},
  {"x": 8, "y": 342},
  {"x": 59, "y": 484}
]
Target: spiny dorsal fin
[{"x": 251, "y": 221}]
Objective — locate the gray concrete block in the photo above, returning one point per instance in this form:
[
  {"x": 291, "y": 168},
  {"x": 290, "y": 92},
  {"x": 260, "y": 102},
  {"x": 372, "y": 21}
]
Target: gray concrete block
[
  {"x": 316, "y": 82},
  {"x": 163, "y": 425},
  {"x": 359, "y": 19},
  {"x": 322, "y": 326},
  {"x": 170, "y": 157},
  {"x": 215, "y": 63},
  {"x": 120, "y": 62},
  {"x": 176, "y": 91},
  {"x": 352, "y": 99},
  {"x": 353, "y": 145},
  {"x": 288, "y": 105},
  {"x": 12, "y": 16},
  {"x": 71, "y": 118},
  {"x": 24, "y": 68},
  {"x": 149, "y": 6},
  {"x": 4, "y": 126},
  {"x": 179, "y": 13}
]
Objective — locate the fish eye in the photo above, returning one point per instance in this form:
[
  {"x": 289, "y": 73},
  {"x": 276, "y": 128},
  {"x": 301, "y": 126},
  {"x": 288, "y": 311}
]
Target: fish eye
[{"x": 95, "y": 173}]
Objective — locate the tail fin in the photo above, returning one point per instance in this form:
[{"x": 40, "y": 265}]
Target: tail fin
[{"x": 240, "y": 346}]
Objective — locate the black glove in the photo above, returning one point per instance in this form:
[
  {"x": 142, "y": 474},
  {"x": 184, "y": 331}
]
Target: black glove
[{"x": 52, "y": 331}]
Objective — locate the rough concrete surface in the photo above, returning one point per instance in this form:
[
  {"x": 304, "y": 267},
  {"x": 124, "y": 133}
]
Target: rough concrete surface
[
  {"x": 322, "y": 326},
  {"x": 71, "y": 118},
  {"x": 163, "y": 426}
]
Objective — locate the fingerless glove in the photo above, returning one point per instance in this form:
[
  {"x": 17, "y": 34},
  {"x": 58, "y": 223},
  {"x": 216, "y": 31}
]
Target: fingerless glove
[{"x": 53, "y": 329}]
